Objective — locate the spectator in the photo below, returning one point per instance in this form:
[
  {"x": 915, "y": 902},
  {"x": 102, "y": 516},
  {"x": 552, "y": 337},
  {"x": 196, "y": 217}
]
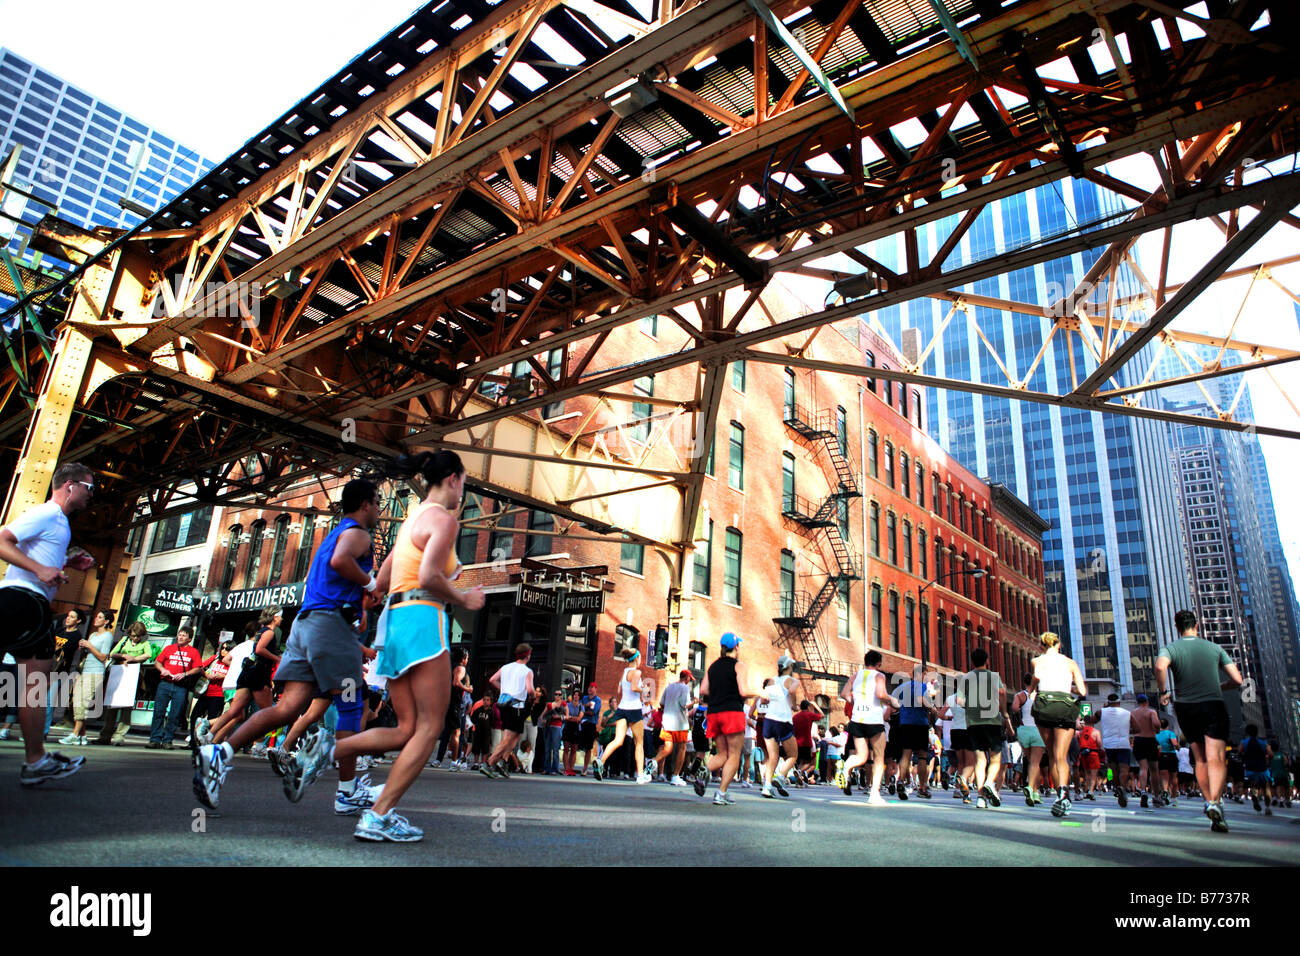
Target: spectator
[
  {"x": 89, "y": 692},
  {"x": 134, "y": 648},
  {"x": 553, "y": 728},
  {"x": 212, "y": 698},
  {"x": 570, "y": 733},
  {"x": 480, "y": 716},
  {"x": 587, "y": 728},
  {"x": 532, "y": 728},
  {"x": 67, "y": 644},
  {"x": 177, "y": 664}
]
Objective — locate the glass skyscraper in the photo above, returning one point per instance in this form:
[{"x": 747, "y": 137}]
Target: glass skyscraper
[
  {"x": 77, "y": 155},
  {"x": 1114, "y": 558}
]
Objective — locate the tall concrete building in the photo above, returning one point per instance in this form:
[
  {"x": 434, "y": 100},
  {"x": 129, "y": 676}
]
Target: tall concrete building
[{"x": 1115, "y": 565}]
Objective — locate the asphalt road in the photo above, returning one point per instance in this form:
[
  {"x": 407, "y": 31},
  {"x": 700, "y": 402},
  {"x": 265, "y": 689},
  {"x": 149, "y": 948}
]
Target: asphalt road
[{"x": 131, "y": 807}]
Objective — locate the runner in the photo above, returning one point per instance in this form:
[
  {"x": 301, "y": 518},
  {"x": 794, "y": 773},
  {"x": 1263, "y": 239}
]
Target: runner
[
  {"x": 1146, "y": 750},
  {"x": 323, "y": 653},
  {"x": 1280, "y": 776},
  {"x": 805, "y": 725},
  {"x": 1089, "y": 757},
  {"x": 962, "y": 755},
  {"x": 1257, "y": 755},
  {"x": 628, "y": 718},
  {"x": 1117, "y": 741},
  {"x": 980, "y": 691},
  {"x": 1186, "y": 776},
  {"x": 726, "y": 685},
  {"x": 865, "y": 697},
  {"x": 1055, "y": 710},
  {"x": 1031, "y": 741},
  {"x": 515, "y": 685},
  {"x": 1168, "y": 741},
  {"x": 1202, "y": 715},
  {"x": 914, "y": 727},
  {"x": 778, "y": 728},
  {"x": 676, "y": 704},
  {"x": 754, "y": 754},
  {"x": 253, "y": 682},
  {"x": 35, "y": 547},
  {"x": 460, "y": 687},
  {"x": 587, "y": 730}
]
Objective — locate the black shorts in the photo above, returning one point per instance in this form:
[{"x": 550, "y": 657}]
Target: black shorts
[
  {"x": 28, "y": 633},
  {"x": 805, "y": 754},
  {"x": 1169, "y": 762},
  {"x": 961, "y": 740},
  {"x": 893, "y": 746},
  {"x": 257, "y": 677},
  {"x": 512, "y": 719},
  {"x": 587, "y": 736},
  {"x": 1146, "y": 748},
  {"x": 569, "y": 734},
  {"x": 453, "y": 717},
  {"x": 864, "y": 731},
  {"x": 914, "y": 737},
  {"x": 1200, "y": 720},
  {"x": 987, "y": 737}
]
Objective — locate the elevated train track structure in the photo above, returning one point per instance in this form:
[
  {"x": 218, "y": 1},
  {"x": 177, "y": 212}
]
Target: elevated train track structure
[{"x": 436, "y": 244}]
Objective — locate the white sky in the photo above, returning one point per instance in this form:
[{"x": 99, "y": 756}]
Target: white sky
[{"x": 212, "y": 77}]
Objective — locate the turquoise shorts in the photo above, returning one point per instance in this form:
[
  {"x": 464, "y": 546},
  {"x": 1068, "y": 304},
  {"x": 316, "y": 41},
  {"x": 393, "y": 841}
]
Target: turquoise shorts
[
  {"x": 416, "y": 632},
  {"x": 1029, "y": 736}
]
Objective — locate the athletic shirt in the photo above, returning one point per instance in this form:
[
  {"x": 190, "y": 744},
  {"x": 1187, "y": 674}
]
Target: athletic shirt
[
  {"x": 1026, "y": 711},
  {"x": 43, "y": 535},
  {"x": 407, "y": 557},
  {"x": 629, "y": 696},
  {"x": 1115, "y": 728},
  {"x": 326, "y": 590},
  {"x": 778, "y": 698},
  {"x": 724, "y": 689},
  {"x": 958, "y": 713},
  {"x": 1184, "y": 760},
  {"x": 514, "y": 681},
  {"x": 1053, "y": 673},
  {"x": 867, "y": 708},
  {"x": 1254, "y": 754}
]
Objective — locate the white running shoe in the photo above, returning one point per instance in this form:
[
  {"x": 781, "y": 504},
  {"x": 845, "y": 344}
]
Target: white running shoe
[
  {"x": 68, "y": 741},
  {"x": 643, "y": 778},
  {"x": 720, "y": 801},
  {"x": 391, "y": 826},
  {"x": 876, "y": 800},
  {"x": 747, "y": 785},
  {"x": 213, "y": 767},
  {"x": 677, "y": 781}
]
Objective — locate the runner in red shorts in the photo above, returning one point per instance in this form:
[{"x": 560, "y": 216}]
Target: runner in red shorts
[
  {"x": 726, "y": 685},
  {"x": 1089, "y": 757}
]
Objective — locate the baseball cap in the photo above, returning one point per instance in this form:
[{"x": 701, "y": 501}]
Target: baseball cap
[
  {"x": 730, "y": 641},
  {"x": 784, "y": 661},
  {"x": 1142, "y": 698},
  {"x": 686, "y": 674},
  {"x": 1112, "y": 697}
]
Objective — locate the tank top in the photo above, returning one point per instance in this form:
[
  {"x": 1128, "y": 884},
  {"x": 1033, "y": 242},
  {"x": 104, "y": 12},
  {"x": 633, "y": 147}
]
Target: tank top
[
  {"x": 778, "y": 707},
  {"x": 1027, "y": 711},
  {"x": 867, "y": 708},
  {"x": 407, "y": 557},
  {"x": 326, "y": 589},
  {"x": 629, "y": 696},
  {"x": 1053, "y": 673},
  {"x": 724, "y": 689}
]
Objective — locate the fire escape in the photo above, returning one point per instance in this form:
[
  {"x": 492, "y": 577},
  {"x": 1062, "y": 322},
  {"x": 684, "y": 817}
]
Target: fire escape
[{"x": 798, "y": 612}]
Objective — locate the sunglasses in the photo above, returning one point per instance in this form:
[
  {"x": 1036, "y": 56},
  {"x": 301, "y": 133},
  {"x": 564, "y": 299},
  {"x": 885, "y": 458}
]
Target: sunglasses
[{"x": 87, "y": 485}]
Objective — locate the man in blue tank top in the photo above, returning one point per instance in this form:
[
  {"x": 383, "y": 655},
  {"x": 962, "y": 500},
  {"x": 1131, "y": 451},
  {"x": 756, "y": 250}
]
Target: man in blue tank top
[{"x": 323, "y": 655}]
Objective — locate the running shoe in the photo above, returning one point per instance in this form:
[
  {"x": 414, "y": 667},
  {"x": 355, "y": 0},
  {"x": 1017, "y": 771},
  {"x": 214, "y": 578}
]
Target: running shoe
[
  {"x": 925, "y": 794},
  {"x": 729, "y": 798},
  {"x": 643, "y": 778},
  {"x": 956, "y": 793},
  {"x": 991, "y": 792},
  {"x": 1122, "y": 797},
  {"x": 69, "y": 741},
  {"x": 391, "y": 826},
  {"x": 678, "y": 782},
  {"x": 203, "y": 730},
  {"x": 277, "y": 758},
  {"x": 52, "y": 767},
  {"x": 1029, "y": 796},
  {"x": 1091, "y": 796},
  {"x": 900, "y": 792},
  {"x": 981, "y": 804},
  {"x": 1173, "y": 801},
  {"x": 598, "y": 773},
  {"x": 701, "y": 780},
  {"x": 501, "y": 771},
  {"x": 457, "y": 766},
  {"x": 1254, "y": 797},
  {"x": 721, "y": 801},
  {"x": 1145, "y": 803},
  {"x": 890, "y": 788},
  {"x": 213, "y": 767},
  {"x": 362, "y": 797},
  {"x": 779, "y": 783},
  {"x": 876, "y": 800},
  {"x": 1215, "y": 812},
  {"x": 313, "y": 757},
  {"x": 846, "y": 786},
  {"x": 767, "y": 792},
  {"x": 486, "y": 771}
]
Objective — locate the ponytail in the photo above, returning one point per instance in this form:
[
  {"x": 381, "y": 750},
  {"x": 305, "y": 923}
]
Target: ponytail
[{"x": 434, "y": 467}]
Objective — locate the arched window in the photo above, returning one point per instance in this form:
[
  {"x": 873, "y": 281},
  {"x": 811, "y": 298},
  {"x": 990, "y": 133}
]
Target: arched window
[
  {"x": 281, "y": 545},
  {"x": 306, "y": 541},
  {"x": 254, "y": 554},
  {"x": 905, "y": 473},
  {"x": 232, "y": 556},
  {"x": 873, "y": 454},
  {"x": 889, "y": 464},
  {"x": 909, "y": 626}
]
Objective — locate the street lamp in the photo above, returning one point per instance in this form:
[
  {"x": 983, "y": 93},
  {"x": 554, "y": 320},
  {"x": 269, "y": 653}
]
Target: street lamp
[{"x": 925, "y": 613}]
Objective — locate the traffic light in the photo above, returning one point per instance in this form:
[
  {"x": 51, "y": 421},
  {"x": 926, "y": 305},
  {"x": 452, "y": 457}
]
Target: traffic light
[{"x": 660, "y": 647}]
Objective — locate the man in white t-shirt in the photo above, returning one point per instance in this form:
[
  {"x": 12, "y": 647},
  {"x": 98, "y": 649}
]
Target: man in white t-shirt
[
  {"x": 36, "y": 548},
  {"x": 515, "y": 683},
  {"x": 1117, "y": 741},
  {"x": 676, "y": 729}
]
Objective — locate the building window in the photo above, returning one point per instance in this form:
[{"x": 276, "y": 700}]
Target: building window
[
  {"x": 875, "y": 615},
  {"x": 921, "y": 557},
  {"x": 702, "y": 581},
  {"x": 902, "y": 400},
  {"x": 182, "y": 531},
  {"x": 905, "y": 473},
  {"x": 538, "y": 544},
  {"x": 934, "y": 492},
  {"x": 306, "y": 539},
  {"x": 942, "y": 623},
  {"x": 787, "y": 583},
  {"x": 916, "y": 409},
  {"x": 631, "y": 557},
  {"x": 641, "y": 411},
  {"x": 696, "y": 659},
  {"x": 467, "y": 538},
  {"x": 875, "y": 530},
  {"x": 787, "y": 481},
  {"x": 501, "y": 543},
  {"x": 891, "y": 537},
  {"x": 254, "y": 564},
  {"x": 907, "y": 545},
  {"x": 708, "y": 462},
  {"x": 736, "y": 465},
  {"x": 650, "y": 325},
  {"x": 738, "y": 375},
  {"x": 889, "y": 464},
  {"x": 889, "y": 400},
  {"x": 232, "y": 556},
  {"x": 947, "y": 493},
  {"x": 789, "y": 394},
  {"x": 555, "y": 369},
  {"x": 909, "y": 625},
  {"x": 731, "y": 570},
  {"x": 843, "y": 607},
  {"x": 871, "y": 363},
  {"x": 920, "y": 483},
  {"x": 842, "y": 430},
  {"x": 938, "y": 559},
  {"x": 893, "y": 621},
  {"x": 277, "y": 551},
  {"x": 873, "y": 454},
  {"x": 842, "y": 517}
]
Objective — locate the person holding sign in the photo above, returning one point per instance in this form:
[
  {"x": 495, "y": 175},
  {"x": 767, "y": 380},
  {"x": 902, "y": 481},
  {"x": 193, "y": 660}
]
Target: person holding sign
[{"x": 132, "y": 650}]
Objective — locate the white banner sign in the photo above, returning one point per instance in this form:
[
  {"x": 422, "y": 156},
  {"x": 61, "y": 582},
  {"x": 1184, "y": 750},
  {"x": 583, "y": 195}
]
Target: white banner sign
[{"x": 122, "y": 682}]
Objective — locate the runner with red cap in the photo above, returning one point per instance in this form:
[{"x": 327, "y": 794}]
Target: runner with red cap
[{"x": 726, "y": 685}]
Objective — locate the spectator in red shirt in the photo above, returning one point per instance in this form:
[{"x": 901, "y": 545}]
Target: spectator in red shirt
[
  {"x": 213, "y": 699},
  {"x": 176, "y": 664},
  {"x": 809, "y": 714}
]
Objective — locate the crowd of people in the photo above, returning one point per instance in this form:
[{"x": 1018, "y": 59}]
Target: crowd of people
[{"x": 326, "y": 700}]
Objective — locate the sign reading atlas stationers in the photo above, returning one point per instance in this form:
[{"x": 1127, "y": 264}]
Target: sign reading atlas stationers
[
  {"x": 257, "y": 599},
  {"x": 561, "y": 601}
]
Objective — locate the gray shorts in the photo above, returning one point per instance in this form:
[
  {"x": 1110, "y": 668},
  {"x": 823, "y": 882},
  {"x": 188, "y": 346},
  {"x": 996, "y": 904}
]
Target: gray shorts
[{"x": 323, "y": 650}]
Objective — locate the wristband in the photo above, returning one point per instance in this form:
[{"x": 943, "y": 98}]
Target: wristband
[{"x": 371, "y": 585}]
